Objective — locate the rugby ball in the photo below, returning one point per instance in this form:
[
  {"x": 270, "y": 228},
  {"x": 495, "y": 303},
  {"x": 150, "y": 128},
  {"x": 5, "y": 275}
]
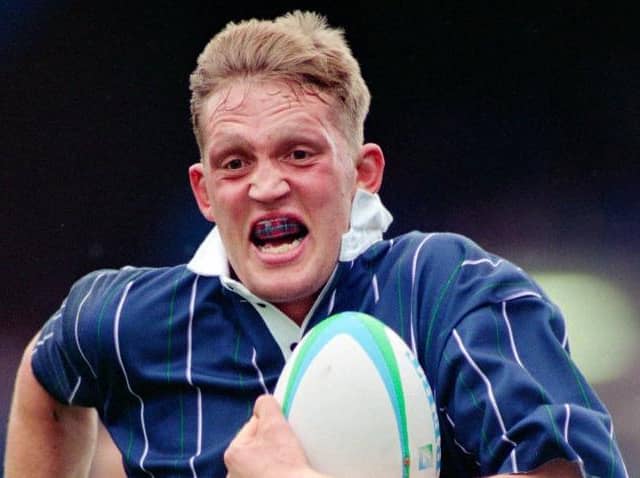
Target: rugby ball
[{"x": 359, "y": 402}]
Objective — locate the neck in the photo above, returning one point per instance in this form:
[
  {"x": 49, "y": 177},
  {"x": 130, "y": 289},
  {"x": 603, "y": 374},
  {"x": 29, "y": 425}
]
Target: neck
[{"x": 297, "y": 310}]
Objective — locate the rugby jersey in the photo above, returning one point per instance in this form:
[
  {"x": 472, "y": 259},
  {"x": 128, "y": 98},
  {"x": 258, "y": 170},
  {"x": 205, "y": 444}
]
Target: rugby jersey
[{"x": 173, "y": 358}]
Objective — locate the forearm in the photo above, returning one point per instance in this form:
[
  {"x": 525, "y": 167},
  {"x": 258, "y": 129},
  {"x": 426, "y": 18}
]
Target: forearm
[{"x": 46, "y": 438}]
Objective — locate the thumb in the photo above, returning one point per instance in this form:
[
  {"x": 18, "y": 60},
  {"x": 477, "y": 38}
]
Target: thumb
[{"x": 267, "y": 409}]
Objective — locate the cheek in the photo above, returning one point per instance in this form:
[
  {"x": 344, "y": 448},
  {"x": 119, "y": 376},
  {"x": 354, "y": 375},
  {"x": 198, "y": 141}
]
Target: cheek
[
  {"x": 226, "y": 203},
  {"x": 331, "y": 200},
  {"x": 336, "y": 207},
  {"x": 333, "y": 193}
]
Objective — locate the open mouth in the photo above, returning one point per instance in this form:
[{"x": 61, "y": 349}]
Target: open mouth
[{"x": 278, "y": 234}]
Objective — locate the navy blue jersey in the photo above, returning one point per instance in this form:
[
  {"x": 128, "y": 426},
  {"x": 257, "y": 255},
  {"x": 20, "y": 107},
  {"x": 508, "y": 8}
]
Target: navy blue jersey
[{"x": 173, "y": 359}]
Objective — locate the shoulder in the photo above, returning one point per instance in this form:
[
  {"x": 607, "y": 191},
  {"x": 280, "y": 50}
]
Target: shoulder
[
  {"x": 97, "y": 294},
  {"x": 444, "y": 277},
  {"x": 100, "y": 281},
  {"x": 446, "y": 246},
  {"x": 456, "y": 256},
  {"x": 436, "y": 254},
  {"x": 85, "y": 321}
]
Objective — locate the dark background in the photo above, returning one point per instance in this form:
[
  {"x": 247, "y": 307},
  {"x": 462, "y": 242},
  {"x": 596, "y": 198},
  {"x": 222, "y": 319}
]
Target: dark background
[{"x": 519, "y": 127}]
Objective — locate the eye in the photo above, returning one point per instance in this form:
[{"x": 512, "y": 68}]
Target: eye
[
  {"x": 300, "y": 154},
  {"x": 233, "y": 164}
]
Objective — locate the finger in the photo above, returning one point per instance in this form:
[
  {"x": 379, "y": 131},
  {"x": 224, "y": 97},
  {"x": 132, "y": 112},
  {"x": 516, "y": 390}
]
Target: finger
[
  {"x": 271, "y": 421},
  {"x": 267, "y": 407}
]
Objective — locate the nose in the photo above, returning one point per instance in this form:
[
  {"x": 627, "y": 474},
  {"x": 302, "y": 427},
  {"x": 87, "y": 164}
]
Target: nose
[{"x": 268, "y": 184}]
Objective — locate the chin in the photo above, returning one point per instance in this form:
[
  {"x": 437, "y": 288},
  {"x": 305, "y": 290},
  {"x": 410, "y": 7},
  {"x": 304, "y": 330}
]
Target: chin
[
  {"x": 281, "y": 287},
  {"x": 283, "y": 292}
]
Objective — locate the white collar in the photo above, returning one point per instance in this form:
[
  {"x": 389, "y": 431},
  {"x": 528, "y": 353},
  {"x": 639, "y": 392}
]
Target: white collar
[{"x": 369, "y": 220}]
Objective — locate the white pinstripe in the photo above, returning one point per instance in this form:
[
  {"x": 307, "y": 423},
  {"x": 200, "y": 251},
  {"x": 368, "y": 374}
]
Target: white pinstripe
[
  {"x": 490, "y": 394},
  {"x": 332, "y": 302},
  {"x": 521, "y": 294},
  {"x": 41, "y": 342},
  {"x": 449, "y": 419},
  {"x": 192, "y": 301},
  {"x": 518, "y": 295},
  {"x": 567, "y": 420},
  {"x": 470, "y": 262},
  {"x": 514, "y": 350},
  {"x": 514, "y": 462},
  {"x": 254, "y": 361},
  {"x": 624, "y": 468},
  {"x": 567, "y": 417},
  {"x": 77, "y": 321},
  {"x": 199, "y": 446},
  {"x": 465, "y": 451},
  {"x": 565, "y": 338},
  {"x": 456, "y": 442},
  {"x": 44, "y": 339},
  {"x": 74, "y": 391},
  {"x": 116, "y": 338},
  {"x": 514, "y": 296},
  {"x": 414, "y": 265},
  {"x": 376, "y": 292}
]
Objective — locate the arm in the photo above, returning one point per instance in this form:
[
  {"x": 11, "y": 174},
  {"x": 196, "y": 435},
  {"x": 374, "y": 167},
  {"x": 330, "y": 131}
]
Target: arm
[
  {"x": 266, "y": 447},
  {"x": 44, "y": 437},
  {"x": 549, "y": 425}
]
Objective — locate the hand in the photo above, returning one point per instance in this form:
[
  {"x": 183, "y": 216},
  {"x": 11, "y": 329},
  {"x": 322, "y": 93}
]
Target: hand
[{"x": 266, "y": 447}]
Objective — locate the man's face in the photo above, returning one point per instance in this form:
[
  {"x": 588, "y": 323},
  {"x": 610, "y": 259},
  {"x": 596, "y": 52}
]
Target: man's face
[{"x": 278, "y": 180}]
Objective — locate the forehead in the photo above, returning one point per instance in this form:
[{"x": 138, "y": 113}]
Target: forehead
[{"x": 264, "y": 105}]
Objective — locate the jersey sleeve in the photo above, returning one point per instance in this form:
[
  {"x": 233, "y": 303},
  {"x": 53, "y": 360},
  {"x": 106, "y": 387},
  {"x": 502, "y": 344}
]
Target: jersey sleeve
[
  {"x": 60, "y": 357},
  {"x": 511, "y": 399}
]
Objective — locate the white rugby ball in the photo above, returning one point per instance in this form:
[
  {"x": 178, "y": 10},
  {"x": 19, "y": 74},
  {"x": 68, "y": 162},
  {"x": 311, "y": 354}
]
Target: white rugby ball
[{"x": 359, "y": 402}]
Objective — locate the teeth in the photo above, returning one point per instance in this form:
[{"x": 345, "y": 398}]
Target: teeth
[
  {"x": 281, "y": 248},
  {"x": 276, "y": 227}
]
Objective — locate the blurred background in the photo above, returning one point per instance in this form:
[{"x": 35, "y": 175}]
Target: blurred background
[{"x": 518, "y": 127}]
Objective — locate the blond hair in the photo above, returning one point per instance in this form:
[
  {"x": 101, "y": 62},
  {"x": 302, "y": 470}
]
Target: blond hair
[{"x": 298, "y": 47}]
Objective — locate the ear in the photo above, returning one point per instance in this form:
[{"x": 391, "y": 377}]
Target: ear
[
  {"x": 200, "y": 192},
  {"x": 370, "y": 168}
]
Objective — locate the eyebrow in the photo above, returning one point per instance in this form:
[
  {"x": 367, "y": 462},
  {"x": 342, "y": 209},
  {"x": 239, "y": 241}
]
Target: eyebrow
[
  {"x": 296, "y": 134},
  {"x": 229, "y": 144}
]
